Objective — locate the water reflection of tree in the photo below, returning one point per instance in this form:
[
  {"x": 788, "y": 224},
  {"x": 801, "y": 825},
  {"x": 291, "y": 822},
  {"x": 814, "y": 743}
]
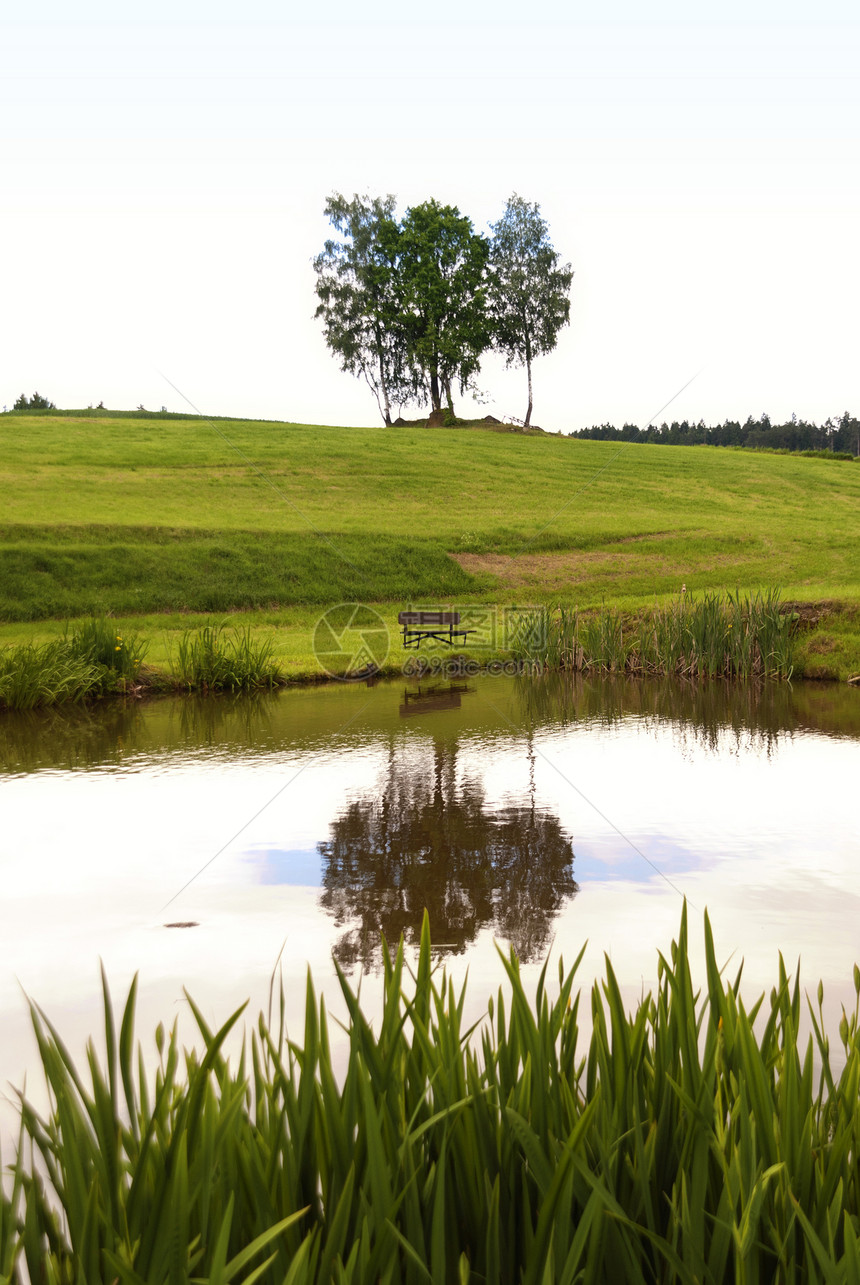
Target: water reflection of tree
[
  {"x": 68, "y": 738},
  {"x": 714, "y": 715},
  {"x": 229, "y": 720},
  {"x": 113, "y": 732},
  {"x": 423, "y": 841}
]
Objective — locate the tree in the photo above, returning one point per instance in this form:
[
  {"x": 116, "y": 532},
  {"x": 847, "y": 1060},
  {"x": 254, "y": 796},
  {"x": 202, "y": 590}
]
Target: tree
[
  {"x": 355, "y": 288},
  {"x": 441, "y": 284},
  {"x": 848, "y": 438},
  {"x": 36, "y": 402},
  {"x": 528, "y": 289}
]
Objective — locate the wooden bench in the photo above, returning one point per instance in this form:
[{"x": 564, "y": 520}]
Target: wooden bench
[{"x": 441, "y": 625}]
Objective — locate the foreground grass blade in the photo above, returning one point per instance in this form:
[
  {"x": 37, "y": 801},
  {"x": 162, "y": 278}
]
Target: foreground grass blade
[{"x": 689, "y": 1140}]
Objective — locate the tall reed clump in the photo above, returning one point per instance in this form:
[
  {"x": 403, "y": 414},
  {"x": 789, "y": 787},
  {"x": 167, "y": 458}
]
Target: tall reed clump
[
  {"x": 32, "y": 675},
  {"x": 728, "y": 636},
  {"x": 93, "y": 659},
  {"x": 547, "y": 637},
  {"x": 100, "y": 641},
  {"x": 217, "y": 659},
  {"x": 716, "y": 636},
  {"x": 676, "y": 1144}
]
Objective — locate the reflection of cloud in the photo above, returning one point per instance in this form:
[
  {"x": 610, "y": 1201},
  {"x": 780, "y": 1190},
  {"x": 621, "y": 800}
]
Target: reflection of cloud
[
  {"x": 300, "y": 867},
  {"x": 609, "y": 858}
]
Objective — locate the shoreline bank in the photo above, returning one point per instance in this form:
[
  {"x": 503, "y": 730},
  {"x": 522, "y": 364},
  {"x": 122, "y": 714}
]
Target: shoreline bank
[{"x": 819, "y": 641}]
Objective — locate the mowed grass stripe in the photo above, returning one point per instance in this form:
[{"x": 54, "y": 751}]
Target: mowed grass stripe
[{"x": 452, "y": 481}]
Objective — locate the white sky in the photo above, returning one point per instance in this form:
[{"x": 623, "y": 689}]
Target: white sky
[{"x": 165, "y": 169}]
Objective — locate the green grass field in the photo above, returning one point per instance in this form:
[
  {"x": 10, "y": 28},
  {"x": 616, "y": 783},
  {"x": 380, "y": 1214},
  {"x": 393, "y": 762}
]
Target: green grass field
[{"x": 164, "y": 523}]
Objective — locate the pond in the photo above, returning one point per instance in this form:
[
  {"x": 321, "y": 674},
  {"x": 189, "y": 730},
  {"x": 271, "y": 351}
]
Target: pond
[{"x": 294, "y": 828}]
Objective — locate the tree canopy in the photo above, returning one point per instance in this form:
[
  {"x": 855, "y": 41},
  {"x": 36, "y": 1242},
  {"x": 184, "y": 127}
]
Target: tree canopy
[
  {"x": 355, "y": 288},
  {"x": 529, "y": 290},
  {"x": 441, "y": 270},
  {"x": 412, "y": 306},
  {"x": 36, "y": 402}
]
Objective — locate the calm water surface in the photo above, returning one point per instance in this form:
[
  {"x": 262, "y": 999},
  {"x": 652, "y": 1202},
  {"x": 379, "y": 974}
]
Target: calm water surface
[{"x": 540, "y": 813}]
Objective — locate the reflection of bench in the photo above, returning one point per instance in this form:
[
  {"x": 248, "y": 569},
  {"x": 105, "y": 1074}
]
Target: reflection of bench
[
  {"x": 426, "y": 700},
  {"x": 441, "y": 625}
]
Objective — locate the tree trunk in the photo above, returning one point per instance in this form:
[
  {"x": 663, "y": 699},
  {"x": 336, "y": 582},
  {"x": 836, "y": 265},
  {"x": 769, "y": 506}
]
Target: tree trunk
[
  {"x": 529, "y": 372},
  {"x": 387, "y": 412},
  {"x": 446, "y": 388},
  {"x": 435, "y": 398}
]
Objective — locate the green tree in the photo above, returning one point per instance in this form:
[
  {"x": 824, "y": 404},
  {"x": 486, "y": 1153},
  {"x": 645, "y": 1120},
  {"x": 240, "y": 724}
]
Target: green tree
[
  {"x": 529, "y": 290},
  {"x": 441, "y": 281},
  {"x": 36, "y": 402},
  {"x": 355, "y": 288},
  {"x": 848, "y": 437}
]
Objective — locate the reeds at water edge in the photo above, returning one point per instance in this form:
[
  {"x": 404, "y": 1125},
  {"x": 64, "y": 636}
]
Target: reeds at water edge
[
  {"x": 215, "y": 659},
  {"x": 692, "y": 1139},
  {"x": 716, "y": 636},
  {"x": 90, "y": 660},
  {"x": 95, "y": 659},
  {"x": 33, "y": 675}
]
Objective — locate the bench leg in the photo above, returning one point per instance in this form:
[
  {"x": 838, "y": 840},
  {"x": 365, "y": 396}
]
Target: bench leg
[{"x": 413, "y": 637}]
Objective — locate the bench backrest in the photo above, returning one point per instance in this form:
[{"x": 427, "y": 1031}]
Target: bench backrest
[{"x": 429, "y": 619}]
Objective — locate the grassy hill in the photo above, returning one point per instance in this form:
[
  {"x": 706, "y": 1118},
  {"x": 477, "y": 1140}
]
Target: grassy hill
[{"x": 133, "y": 516}]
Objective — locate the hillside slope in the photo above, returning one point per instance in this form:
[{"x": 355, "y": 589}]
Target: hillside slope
[{"x": 136, "y": 515}]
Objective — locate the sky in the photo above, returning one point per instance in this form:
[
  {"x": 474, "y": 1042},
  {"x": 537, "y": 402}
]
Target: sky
[{"x": 166, "y": 168}]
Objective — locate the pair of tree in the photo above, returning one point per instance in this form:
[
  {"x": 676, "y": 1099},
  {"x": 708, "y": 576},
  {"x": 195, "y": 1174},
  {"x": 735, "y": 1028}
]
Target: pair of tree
[{"x": 412, "y": 306}]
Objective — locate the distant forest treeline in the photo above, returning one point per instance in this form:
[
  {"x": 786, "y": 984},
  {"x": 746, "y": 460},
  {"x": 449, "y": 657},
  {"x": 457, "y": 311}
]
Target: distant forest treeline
[{"x": 840, "y": 435}]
